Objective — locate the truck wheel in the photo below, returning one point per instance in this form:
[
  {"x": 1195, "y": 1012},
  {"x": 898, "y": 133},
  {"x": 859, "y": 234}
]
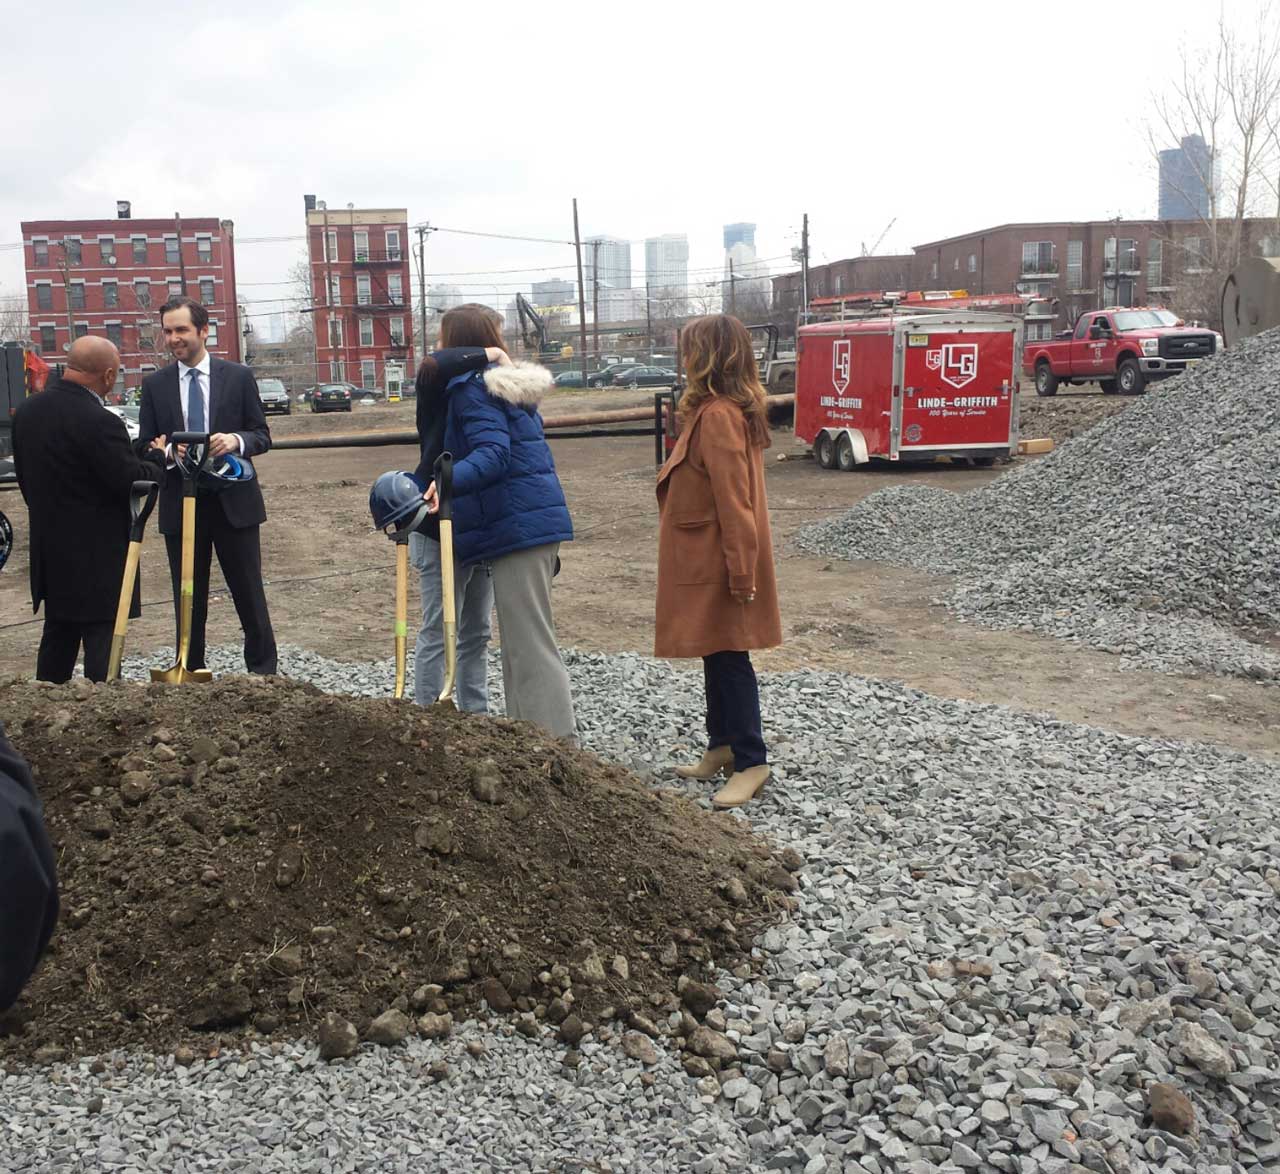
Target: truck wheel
[
  {"x": 824, "y": 450},
  {"x": 1129, "y": 378},
  {"x": 846, "y": 462},
  {"x": 983, "y": 462},
  {"x": 1046, "y": 380},
  {"x": 1108, "y": 386}
]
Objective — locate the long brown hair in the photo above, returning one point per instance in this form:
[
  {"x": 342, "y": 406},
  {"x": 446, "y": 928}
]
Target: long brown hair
[
  {"x": 472, "y": 325},
  {"x": 718, "y": 360}
]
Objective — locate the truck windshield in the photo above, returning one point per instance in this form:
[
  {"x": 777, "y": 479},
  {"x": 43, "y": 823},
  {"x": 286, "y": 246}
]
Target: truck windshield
[{"x": 1137, "y": 319}]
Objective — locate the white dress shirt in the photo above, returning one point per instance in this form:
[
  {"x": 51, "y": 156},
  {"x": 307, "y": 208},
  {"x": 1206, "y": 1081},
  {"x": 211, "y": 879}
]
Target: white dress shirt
[{"x": 184, "y": 392}]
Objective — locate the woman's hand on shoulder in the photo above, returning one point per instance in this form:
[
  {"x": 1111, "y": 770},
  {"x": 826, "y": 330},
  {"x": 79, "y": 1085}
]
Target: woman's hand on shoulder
[{"x": 495, "y": 354}]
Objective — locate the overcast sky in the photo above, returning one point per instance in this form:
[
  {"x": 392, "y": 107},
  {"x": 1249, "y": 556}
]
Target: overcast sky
[{"x": 659, "y": 117}]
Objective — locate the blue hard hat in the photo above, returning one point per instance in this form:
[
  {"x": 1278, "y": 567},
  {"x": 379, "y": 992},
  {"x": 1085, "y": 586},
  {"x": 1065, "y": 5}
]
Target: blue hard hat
[
  {"x": 217, "y": 472},
  {"x": 395, "y": 501}
]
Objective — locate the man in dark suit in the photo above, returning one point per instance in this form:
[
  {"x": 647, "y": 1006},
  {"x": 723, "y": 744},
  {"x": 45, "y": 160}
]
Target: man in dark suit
[
  {"x": 199, "y": 393},
  {"x": 75, "y": 467},
  {"x": 28, "y": 880}
]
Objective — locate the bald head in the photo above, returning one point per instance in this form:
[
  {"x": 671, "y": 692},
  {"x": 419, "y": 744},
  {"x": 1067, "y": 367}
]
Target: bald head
[{"x": 93, "y": 363}]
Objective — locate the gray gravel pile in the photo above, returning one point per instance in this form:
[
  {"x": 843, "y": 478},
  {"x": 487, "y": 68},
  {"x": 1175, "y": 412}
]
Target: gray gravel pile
[
  {"x": 1019, "y": 945},
  {"x": 1155, "y": 535}
]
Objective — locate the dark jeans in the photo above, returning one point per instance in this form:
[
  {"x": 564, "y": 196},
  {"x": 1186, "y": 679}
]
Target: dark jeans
[
  {"x": 733, "y": 707},
  {"x": 240, "y": 557},
  {"x": 60, "y": 643}
]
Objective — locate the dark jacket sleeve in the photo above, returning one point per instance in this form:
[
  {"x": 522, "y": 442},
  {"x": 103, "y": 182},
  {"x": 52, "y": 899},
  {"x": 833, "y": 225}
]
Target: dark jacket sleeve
[
  {"x": 431, "y": 407},
  {"x": 148, "y": 427},
  {"x": 257, "y": 436},
  {"x": 115, "y": 461},
  {"x": 28, "y": 882}
]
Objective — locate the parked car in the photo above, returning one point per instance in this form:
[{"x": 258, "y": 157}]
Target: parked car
[
  {"x": 129, "y": 413},
  {"x": 332, "y": 397},
  {"x": 645, "y": 377},
  {"x": 274, "y": 396},
  {"x": 604, "y": 377},
  {"x": 571, "y": 379}
]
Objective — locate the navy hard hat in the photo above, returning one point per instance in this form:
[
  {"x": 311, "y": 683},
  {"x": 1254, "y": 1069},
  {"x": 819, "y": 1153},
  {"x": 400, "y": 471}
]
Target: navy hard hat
[
  {"x": 396, "y": 503},
  {"x": 216, "y": 472}
]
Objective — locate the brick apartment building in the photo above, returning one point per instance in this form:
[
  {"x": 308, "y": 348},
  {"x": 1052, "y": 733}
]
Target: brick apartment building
[
  {"x": 1084, "y": 265},
  {"x": 359, "y": 261},
  {"x": 110, "y": 277}
]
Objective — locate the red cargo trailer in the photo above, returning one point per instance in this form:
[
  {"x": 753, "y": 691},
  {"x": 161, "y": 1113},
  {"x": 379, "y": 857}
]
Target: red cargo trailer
[{"x": 909, "y": 387}]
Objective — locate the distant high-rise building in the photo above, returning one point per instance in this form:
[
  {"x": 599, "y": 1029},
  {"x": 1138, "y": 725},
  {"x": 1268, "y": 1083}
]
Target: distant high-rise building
[
  {"x": 615, "y": 262},
  {"x": 444, "y": 297},
  {"x": 666, "y": 262},
  {"x": 554, "y": 292},
  {"x": 739, "y": 234},
  {"x": 1188, "y": 177}
]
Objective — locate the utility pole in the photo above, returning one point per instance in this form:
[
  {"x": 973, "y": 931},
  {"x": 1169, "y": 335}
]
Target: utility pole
[
  {"x": 648, "y": 317},
  {"x": 182, "y": 264},
  {"x": 582, "y": 293},
  {"x": 595, "y": 300},
  {"x": 423, "y": 229},
  {"x": 804, "y": 270},
  {"x": 733, "y": 290}
]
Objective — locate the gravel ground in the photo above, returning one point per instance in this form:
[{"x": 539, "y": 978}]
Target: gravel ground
[
  {"x": 1010, "y": 929},
  {"x": 1155, "y": 535}
]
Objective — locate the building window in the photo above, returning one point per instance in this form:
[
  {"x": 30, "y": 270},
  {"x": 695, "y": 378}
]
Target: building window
[
  {"x": 171, "y": 253},
  {"x": 82, "y": 328},
  {"x": 331, "y": 246},
  {"x": 395, "y": 291},
  {"x": 107, "y": 248},
  {"x": 1155, "y": 263},
  {"x": 175, "y": 287},
  {"x": 212, "y": 340},
  {"x": 72, "y": 246},
  {"x": 48, "y": 339},
  {"x": 368, "y": 373},
  {"x": 1120, "y": 254},
  {"x": 146, "y": 336},
  {"x": 366, "y": 332},
  {"x": 933, "y": 271},
  {"x": 139, "y": 250},
  {"x": 393, "y": 244},
  {"x": 40, "y": 251},
  {"x": 362, "y": 244},
  {"x": 44, "y": 295},
  {"x": 115, "y": 334},
  {"x": 1075, "y": 264},
  {"x": 206, "y": 290},
  {"x": 337, "y": 371},
  {"x": 955, "y": 265},
  {"x": 110, "y": 295},
  {"x": 204, "y": 248},
  {"x": 973, "y": 262},
  {"x": 77, "y": 295},
  {"x": 363, "y": 295},
  {"x": 396, "y": 326},
  {"x": 1191, "y": 251},
  {"x": 335, "y": 291},
  {"x": 1037, "y": 257},
  {"x": 839, "y": 284},
  {"x": 335, "y": 332},
  {"x": 142, "y": 292}
]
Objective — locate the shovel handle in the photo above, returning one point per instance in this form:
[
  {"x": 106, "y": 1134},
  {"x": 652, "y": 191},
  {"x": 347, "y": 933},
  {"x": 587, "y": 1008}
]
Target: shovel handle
[
  {"x": 444, "y": 486},
  {"x": 142, "y": 500}
]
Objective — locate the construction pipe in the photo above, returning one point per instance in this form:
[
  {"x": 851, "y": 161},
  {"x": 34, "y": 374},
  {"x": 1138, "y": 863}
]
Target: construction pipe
[{"x": 580, "y": 420}]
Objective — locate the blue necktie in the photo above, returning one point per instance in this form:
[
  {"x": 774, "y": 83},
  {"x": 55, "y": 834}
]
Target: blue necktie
[{"x": 195, "y": 404}]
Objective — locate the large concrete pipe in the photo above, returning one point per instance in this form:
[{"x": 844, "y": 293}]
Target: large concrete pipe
[{"x": 1251, "y": 299}]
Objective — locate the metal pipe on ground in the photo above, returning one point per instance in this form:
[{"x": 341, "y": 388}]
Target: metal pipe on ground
[{"x": 550, "y": 424}]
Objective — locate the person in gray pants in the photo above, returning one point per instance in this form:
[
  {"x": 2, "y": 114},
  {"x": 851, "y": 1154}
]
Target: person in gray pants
[{"x": 509, "y": 511}]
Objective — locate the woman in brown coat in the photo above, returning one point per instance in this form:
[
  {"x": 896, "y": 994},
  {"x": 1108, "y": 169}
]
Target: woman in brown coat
[{"x": 717, "y": 595}]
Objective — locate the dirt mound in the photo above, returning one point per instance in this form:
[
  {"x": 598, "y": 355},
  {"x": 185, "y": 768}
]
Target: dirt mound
[{"x": 255, "y": 854}]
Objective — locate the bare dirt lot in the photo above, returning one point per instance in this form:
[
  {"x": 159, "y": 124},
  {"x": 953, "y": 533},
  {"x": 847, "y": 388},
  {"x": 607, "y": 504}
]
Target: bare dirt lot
[{"x": 330, "y": 580}]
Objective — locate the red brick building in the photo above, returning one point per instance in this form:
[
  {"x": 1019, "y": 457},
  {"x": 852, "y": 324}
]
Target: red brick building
[
  {"x": 1084, "y": 265},
  {"x": 361, "y": 294},
  {"x": 110, "y": 277}
]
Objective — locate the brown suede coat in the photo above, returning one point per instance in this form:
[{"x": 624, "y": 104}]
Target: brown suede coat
[{"x": 713, "y": 538}]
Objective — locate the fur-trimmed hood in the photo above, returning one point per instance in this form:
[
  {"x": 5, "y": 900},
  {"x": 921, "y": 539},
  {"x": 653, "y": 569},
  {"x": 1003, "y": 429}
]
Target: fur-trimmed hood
[{"x": 523, "y": 384}]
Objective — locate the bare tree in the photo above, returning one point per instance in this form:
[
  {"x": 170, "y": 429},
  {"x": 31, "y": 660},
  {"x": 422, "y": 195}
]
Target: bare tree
[
  {"x": 14, "y": 324},
  {"x": 1228, "y": 96}
]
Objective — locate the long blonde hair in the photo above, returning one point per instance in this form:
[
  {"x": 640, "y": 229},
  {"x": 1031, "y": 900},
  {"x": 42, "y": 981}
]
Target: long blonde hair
[{"x": 718, "y": 361}]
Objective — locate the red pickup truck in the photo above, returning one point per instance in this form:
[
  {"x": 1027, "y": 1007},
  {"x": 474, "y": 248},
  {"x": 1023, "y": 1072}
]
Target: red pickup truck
[{"x": 1122, "y": 348}]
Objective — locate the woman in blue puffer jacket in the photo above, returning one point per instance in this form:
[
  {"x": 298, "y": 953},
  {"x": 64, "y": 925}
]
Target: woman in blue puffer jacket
[{"x": 509, "y": 511}]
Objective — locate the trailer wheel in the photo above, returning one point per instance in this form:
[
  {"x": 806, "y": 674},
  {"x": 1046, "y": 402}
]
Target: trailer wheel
[
  {"x": 846, "y": 462},
  {"x": 1129, "y": 378},
  {"x": 824, "y": 450},
  {"x": 1108, "y": 386},
  {"x": 1046, "y": 380}
]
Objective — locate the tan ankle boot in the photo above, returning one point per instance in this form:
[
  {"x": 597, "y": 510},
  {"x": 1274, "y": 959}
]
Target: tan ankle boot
[
  {"x": 742, "y": 787},
  {"x": 712, "y": 763}
]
